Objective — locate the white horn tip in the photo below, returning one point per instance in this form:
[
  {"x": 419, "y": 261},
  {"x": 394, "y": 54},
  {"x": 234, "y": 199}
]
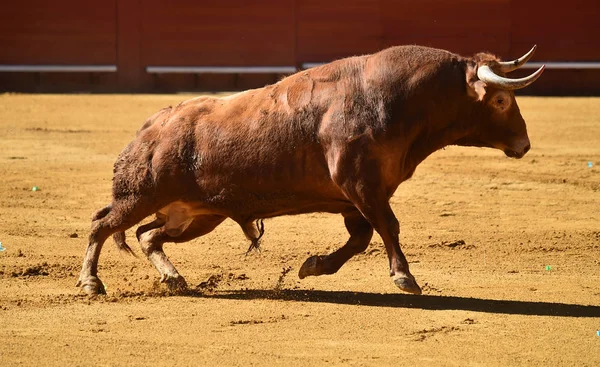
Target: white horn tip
[{"x": 542, "y": 68}]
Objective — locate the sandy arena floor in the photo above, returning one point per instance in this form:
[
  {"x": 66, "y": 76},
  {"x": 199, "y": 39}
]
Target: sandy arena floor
[{"x": 507, "y": 252}]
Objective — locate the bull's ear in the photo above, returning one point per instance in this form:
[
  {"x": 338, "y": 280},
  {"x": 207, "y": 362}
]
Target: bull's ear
[
  {"x": 477, "y": 90},
  {"x": 475, "y": 87}
]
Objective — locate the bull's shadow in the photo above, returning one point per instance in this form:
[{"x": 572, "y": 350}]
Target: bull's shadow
[{"x": 425, "y": 302}]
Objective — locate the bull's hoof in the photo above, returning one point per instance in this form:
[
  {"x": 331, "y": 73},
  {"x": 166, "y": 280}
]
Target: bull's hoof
[
  {"x": 310, "y": 267},
  {"x": 407, "y": 284},
  {"x": 174, "y": 283},
  {"x": 91, "y": 285}
]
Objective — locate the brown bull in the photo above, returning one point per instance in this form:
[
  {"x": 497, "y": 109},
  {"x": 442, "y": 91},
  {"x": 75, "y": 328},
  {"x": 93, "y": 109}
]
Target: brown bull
[{"x": 338, "y": 138}]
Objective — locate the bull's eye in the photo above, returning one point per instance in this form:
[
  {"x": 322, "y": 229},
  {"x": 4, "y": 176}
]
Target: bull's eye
[{"x": 501, "y": 102}]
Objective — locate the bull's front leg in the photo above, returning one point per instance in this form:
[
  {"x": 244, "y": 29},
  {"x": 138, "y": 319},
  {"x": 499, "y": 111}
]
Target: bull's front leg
[
  {"x": 376, "y": 209},
  {"x": 388, "y": 228},
  {"x": 360, "y": 180}
]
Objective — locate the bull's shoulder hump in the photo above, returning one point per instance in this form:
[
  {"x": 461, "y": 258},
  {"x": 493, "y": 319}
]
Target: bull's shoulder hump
[
  {"x": 196, "y": 100},
  {"x": 200, "y": 105}
]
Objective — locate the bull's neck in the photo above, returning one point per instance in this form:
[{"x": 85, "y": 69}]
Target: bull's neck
[
  {"x": 431, "y": 135},
  {"x": 429, "y": 142}
]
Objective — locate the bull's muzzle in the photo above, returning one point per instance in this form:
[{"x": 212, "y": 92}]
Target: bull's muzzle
[{"x": 517, "y": 153}]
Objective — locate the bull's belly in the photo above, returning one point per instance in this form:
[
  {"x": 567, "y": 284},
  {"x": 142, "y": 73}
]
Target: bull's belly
[{"x": 178, "y": 215}]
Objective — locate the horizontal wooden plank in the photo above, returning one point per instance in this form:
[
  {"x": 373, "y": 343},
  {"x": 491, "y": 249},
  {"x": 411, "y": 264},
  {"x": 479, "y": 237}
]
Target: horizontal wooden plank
[
  {"x": 329, "y": 30},
  {"x": 58, "y": 32},
  {"x": 461, "y": 26},
  {"x": 558, "y": 50},
  {"x": 570, "y": 65},
  {"x": 35, "y": 34},
  {"x": 58, "y": 68},
  {"x": 18, "y": 82},
  {"x": 220, "y": 69},
  {"x": 563, "y": 82},
  {"x": 169, "y": 83},
  {"x": 231, "y": 33},
  {"x": 564, "y": 31}
]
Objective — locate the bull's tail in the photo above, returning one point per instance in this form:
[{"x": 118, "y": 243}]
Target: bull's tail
[{"x": 118, "y": 237}]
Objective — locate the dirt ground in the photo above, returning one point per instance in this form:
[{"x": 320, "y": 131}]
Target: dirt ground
[{"x": 507, "y": 252}]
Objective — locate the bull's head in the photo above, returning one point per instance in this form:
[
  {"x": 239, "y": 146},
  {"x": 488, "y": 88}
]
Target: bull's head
[{"x": 498, "y": 121}]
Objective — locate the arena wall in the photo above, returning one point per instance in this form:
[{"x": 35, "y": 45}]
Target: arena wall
[{"x": 160, "y": 46}]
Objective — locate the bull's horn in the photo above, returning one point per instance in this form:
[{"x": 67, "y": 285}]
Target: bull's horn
[
  {"x": 508, "y": 66},
  {"x": 485, "y": 74}
]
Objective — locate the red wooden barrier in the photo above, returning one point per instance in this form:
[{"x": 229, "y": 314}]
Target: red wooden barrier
[{"x": 131, "y": 35}]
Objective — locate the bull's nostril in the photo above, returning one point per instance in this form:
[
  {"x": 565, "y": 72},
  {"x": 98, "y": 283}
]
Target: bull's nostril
[{"x": 527, "y": 148}]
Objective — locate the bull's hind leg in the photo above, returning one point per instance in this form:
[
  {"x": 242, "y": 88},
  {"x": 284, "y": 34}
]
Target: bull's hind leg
[
  {"x": 119, "y": 216},
  {"x": 360, "y": 235},
  {"x": 152, "y": 238}
]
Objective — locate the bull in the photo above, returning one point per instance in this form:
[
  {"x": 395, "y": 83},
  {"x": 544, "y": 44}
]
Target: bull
[{"x": 337, "y": 138}]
